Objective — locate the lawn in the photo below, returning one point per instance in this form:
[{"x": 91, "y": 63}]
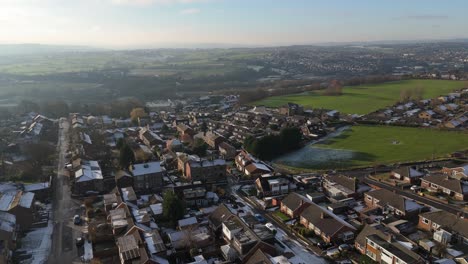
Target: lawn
[
  {"x": 384, "y": 145},
  {"x": 281, "y": 216},
  {"x": 366, "y": 98}
]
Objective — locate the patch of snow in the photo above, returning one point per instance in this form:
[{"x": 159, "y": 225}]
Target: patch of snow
[{"x": 38, "y": 243}]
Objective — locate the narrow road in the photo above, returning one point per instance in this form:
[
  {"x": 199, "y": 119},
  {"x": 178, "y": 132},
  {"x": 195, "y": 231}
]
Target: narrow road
[
  {"x": 446, "y": 207},
  {"x": 64, "y": 207}
]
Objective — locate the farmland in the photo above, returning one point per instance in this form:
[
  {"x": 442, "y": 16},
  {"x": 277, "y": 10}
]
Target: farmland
[
  {"x": 371, "y": 145},
  {"x": 366, "y": 98}
]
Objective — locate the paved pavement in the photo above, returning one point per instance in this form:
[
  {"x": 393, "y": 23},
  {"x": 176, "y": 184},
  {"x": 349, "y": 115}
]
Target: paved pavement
[
  {"x": 447, "y": 207},
  {"x": 64, "y": 208}
]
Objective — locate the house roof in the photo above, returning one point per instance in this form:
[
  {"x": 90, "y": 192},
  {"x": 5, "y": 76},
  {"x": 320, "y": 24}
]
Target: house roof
[
  {"x": 187, "y": 221},
  {"x": 90, "y": 170},
  {"x": 252, "y": 167},
  {"x": 396, "y": 201},
  {"x": 128, "y": 247},
  {"x": 408, "y": 172},
  {"x": 7, "y": 222},
  {"x": 326, "y": 221},
  {"x": 294, "y": 200},
  {"x": 448, "y": 221},
  {"x": 220, "y": 215},
  {"x": 366, "y": 231},
  {"x": 345, "y": 181},
  {"x": 447, "y": 182},
  {"x": 258, "y": 257},
  {"x": 146, "y": 168},
  {"x": 396, "y": 249},
  {"x": 26, "y": 200}
]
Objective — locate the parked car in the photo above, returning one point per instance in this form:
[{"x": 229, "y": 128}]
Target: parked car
[
  {"x": 260, "y": 218},
  {"x": 271, "y": 227},
  {"x": 79, "y": 241},
  {"x": 240, "y": 204},
  {"x": 324, "y": 245},
  {"x": 333, "y": 252},
  {"x": 76, "y": 220},
  {"x": 235, "y": 206},
  {"x": 415, "y": 188},
  {"x": 240, "y": 211},
  {"x": 344, "y": 247}
]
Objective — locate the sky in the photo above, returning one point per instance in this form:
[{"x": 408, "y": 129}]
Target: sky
[{"x": 170, "y": 23}]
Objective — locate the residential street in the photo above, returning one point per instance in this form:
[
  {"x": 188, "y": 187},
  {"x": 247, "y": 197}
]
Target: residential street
[
  {"x": 446, "y": 207},
  {"x": 300, "y": 248},
  {"x": 64, "y": 208}
]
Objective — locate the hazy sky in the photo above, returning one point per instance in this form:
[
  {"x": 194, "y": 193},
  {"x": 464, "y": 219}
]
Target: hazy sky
[{"x": 139, "y": 23}]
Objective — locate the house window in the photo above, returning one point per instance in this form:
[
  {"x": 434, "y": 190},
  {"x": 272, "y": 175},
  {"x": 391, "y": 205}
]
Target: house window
[
  {"x": 435, "y": 226},
  {"x": 371, "y": 255},
  {"x": 424, "y": 220},
  {"x": 372, "y": 244},
  {"x": 369, "y": 198},
  {"x": 435, "y": 186}
]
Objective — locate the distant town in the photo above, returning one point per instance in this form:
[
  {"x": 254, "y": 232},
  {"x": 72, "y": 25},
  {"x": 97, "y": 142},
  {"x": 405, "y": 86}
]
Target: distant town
[{"x": 201, "y": 180}]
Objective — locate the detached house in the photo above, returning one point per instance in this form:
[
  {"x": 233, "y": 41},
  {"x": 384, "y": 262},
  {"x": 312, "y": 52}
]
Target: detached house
[
  {"x": 147, "y": 177},
  {"x": 394, "y": 203},
  {"x": 327, "y": 225},
  {"x": 455, "y": 188}
]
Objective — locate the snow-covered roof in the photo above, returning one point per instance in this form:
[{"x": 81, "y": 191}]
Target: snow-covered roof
[
  {"x": 156, "y": 209},
  {"x": 5, "y": 201},
  {"x": 188, "y": 221},
  {"x": 26, "y": 200},
  {"x": 36, "y": 186},
  {"x": 7, "y": 222},
  {"x": 88, "y": 172},
  {"x": 146, "y": 168},
  {"x": 87, "y": 138}
]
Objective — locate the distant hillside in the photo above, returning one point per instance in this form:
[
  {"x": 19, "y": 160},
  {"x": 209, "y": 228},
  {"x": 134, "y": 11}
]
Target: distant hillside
[{"x": 30, "y": 49}]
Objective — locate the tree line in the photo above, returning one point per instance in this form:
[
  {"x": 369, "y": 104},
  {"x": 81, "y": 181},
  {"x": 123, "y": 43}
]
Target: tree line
[{"x": 270, "y": 146}]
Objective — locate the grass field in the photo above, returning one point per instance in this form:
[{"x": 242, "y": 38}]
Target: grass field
[
  {"x": 364, "y": 99},
  {"x": 383, "y": 145}
]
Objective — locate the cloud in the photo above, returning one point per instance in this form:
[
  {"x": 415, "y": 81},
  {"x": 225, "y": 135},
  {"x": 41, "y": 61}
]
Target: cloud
[
  {"x": 424, "y": 17},
  {"x": 190, "y": 11},
  {"x": 95, "y": 29}
]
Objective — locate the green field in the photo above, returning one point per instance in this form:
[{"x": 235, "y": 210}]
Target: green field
[
  {"x": 362, "y": 146},
  {"x": 383, "y": 145},
  {"x": 366, "y": 98}
]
